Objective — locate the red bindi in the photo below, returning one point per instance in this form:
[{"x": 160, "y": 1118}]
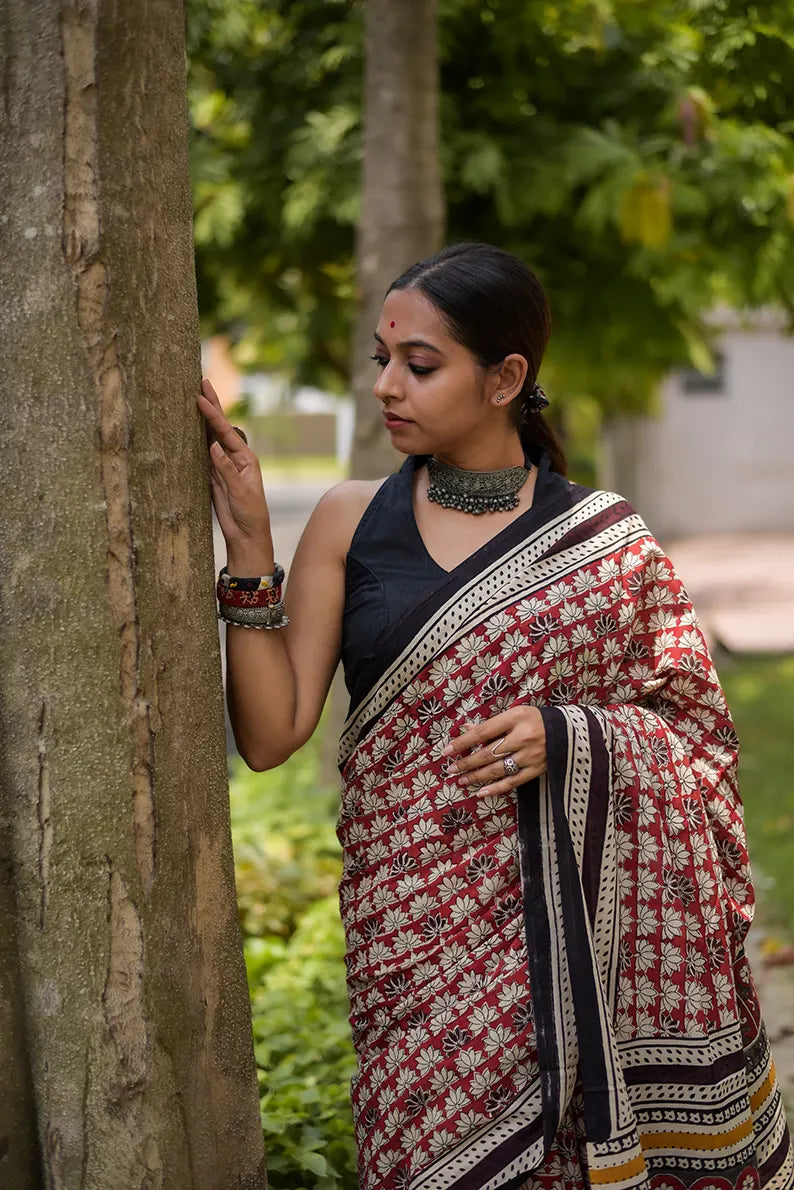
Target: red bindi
[{"x": 391, "y": 324}]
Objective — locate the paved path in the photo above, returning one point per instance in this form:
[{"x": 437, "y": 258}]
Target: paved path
[{"x": 742, "y": 586}]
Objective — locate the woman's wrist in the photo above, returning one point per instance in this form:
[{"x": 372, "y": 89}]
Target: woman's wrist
[
  {"x": 251, "y": 596},
  {"x": 250, "y": 561}
]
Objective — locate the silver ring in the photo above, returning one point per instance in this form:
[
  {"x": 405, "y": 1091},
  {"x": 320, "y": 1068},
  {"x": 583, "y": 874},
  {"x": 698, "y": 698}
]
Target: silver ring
[
  {"x": 501, "y": 740},
  {"x": 509, "y": 765}
]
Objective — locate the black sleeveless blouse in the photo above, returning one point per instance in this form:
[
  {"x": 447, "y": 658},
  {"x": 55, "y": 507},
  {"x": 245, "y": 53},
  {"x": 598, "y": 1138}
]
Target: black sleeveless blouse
[{"x": 389, "y": 571}]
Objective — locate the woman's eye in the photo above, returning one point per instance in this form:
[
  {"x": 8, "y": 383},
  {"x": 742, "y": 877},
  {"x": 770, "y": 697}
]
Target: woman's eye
[{"x": 417, "y": 369}]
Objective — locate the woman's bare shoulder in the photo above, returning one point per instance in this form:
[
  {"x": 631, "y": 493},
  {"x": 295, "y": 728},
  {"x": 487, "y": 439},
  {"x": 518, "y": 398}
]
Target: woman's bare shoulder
[{"x": 341, "y": 508}]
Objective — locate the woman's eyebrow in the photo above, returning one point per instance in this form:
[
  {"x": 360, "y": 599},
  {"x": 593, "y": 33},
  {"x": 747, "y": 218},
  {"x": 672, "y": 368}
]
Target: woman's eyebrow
[{"x": 413, "y": 343}]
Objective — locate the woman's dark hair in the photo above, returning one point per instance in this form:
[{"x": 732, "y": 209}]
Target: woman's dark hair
[{"x": 494, "y": 305}]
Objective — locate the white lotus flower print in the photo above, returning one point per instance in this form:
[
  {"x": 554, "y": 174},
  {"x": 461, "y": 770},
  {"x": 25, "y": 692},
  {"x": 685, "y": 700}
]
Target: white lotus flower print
[
  {"x": 672, "y": 957},
  {"x": 596, "y": 602},
  {"x": 463, "y": 908},
  {"x": 388, "y": 1161},
  {"x": 645, "y": 884},
  {"x": 468, "y": 1121},
  {"x": 455, "y": 689},
  {"x": 698, "y": 998},
  {"x": 523, "y": 665},
  {"x": 457, "y": 1100},
  {"x": 647, "y": 920},
  {"x": 424, "y": 829},
  {"x": 672, "y": 923},
  {"x": 584, "y": 581},
  {"x": 467, "y": 1060},
  {"x": 513, "y": 643},
  {"x": 569, "y": 613},
  {"x": 608, "y": 570},
  {"x": 496, "y": 625},
  {"x": 582, "y": 636},
  {"x": 482, "y": 1081},
  {"x": 555, "y": 646},
  {"x": 469, "y": 648},
  {"x": 441, "y": 670},
  {"x": 481, "y": 1017},
  {"x": 496, "y": 1039},
  {"x": 440, "y": 1140},
  {"x": 484, "y": 666}
]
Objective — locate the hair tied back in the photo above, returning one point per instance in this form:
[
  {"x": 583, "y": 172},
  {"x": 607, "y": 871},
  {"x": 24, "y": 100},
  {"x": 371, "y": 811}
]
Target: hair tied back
[{"x": 537, "y": 400}]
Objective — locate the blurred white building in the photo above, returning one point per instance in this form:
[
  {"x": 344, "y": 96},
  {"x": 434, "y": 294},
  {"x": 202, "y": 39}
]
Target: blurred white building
[{"x": 719, "y": 456}]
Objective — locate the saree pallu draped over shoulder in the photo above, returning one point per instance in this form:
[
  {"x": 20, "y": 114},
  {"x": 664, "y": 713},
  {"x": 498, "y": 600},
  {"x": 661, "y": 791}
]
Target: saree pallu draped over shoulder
[{"x": 549, "y": 988}]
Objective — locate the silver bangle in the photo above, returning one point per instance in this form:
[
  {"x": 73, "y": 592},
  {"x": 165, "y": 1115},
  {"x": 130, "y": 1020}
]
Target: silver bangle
[{"x": 254, "y": 617}]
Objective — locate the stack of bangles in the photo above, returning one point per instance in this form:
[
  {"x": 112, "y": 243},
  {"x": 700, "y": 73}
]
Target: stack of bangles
[{"x": 252, "y": 602}]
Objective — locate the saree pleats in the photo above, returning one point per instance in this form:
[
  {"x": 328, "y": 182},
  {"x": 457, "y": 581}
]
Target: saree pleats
[{"x": 549, "y": 988}]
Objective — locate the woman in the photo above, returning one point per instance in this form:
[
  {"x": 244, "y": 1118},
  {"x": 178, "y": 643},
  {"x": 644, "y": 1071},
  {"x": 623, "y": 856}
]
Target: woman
[{"x": 546, "y": 886}]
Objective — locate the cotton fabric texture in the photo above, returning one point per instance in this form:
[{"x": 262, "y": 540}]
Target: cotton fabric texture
[{"x": 547, "y": 988}]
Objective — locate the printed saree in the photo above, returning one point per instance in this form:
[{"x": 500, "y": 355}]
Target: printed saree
[{"x": 549, "y": 988}]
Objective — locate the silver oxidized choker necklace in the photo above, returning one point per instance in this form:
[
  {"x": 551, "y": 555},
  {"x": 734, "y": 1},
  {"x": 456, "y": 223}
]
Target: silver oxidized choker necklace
[{"x": 474, "y": 491}]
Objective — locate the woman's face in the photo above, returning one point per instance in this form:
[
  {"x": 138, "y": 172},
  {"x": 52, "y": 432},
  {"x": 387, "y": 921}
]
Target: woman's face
[{"x": 427, "y": 380}]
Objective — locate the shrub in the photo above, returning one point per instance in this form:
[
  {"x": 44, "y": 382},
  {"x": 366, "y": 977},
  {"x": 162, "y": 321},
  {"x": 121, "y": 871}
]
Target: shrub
[{"x": 287, "y": 865}]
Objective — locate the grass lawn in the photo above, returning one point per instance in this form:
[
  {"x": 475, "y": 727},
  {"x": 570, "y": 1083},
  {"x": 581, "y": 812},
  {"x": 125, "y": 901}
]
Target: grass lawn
[{"x": 760, "y": 693}]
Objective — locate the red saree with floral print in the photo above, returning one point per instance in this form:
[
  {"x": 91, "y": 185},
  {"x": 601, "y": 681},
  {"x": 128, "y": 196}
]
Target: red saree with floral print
[{"x": 549, "y": 988}]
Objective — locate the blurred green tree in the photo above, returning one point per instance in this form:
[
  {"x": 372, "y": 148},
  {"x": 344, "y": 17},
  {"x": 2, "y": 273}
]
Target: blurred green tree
[{"x": 638, "y": 156}]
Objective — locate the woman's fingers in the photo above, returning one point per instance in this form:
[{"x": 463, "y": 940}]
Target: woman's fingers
[
  {"x": 235, "y": 478},
  {"x": 207, "y": 397},
  {"x": 209, "y": 392},
  {"x": 491, "y": 772},
  {"x": 222, "y": 429},
  {"x": 506, "y": 784},
  {"x": 518, "y": 733},
  {"x": 479, "y": 734}
]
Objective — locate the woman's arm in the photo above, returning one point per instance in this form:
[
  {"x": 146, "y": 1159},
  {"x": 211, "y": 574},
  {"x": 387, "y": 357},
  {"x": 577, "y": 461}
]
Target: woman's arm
[{"x": 278, "y": 680}]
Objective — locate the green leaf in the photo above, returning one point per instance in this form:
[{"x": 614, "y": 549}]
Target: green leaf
[{"x": 314, "y": 1162}]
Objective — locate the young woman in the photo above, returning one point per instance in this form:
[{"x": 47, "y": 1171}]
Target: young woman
[{"x": 546, "y": 887}]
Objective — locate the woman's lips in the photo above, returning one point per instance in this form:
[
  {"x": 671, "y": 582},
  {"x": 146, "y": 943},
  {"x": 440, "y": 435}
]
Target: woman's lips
[{"x": 391, "y": 421}]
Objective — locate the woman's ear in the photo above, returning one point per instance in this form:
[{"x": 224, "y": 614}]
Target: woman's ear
[{"x": 508, "y": 380}]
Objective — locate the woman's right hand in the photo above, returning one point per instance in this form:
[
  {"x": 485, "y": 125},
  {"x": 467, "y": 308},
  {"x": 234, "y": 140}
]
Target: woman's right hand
[{"x": 236, "y": 484}]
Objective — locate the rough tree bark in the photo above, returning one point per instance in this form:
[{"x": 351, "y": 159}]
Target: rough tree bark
[
  {"x": 124, "y": 1016},
  {"x": 402, "y": 221},
  {"x": 402, "y": 206}
]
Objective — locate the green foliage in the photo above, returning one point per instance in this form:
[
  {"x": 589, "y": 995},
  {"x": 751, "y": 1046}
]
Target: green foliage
[
  {"x": 639, "y": 156},
  {"x": 760, "y": 693},
  {"x": 286, "y": 851},
  {"x": 645, "y": 183},
  {"x": 274, "y": 91},
  {"x": 304, "y": 1055},
  {"x": 287, "y": 866}
]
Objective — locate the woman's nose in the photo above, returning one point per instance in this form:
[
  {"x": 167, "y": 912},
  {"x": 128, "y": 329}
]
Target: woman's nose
[{"x": 385, "y": 387}]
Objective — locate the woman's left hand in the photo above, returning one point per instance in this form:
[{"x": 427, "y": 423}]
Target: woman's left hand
[{"x": 518, "y": 733}]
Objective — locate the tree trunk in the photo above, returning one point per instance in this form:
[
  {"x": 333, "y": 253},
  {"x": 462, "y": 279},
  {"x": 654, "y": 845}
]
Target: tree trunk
[
  {"x": 402, "y": 221},
  {"x": 402, "y": 207},
  {"x": 117, "y": 881}
]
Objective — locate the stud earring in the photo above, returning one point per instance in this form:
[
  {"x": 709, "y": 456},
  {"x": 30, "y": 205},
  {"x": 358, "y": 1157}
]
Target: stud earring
[{"x": 500, "y": 398}]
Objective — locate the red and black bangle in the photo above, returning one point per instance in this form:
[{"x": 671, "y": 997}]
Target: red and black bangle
[
  {"x": 234, "y": 598},
  {"x": 261, "y": 583},
  {"x": 252, "y": 602}
]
